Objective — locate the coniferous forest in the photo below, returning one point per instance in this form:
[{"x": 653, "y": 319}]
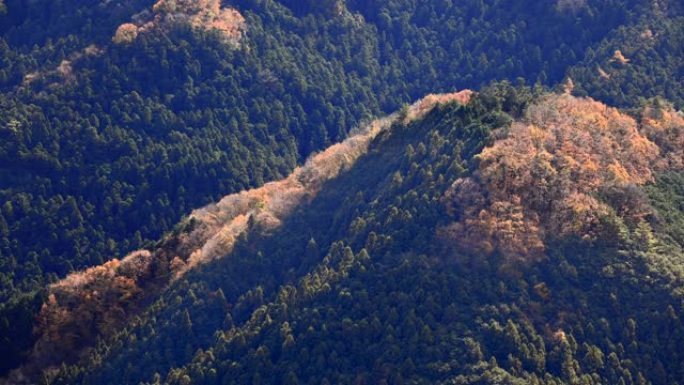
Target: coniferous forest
[{"x": 341, "y": 192}]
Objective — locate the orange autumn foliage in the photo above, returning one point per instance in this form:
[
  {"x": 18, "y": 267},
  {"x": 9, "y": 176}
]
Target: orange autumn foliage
[
  {"x": 125, "y": 34},
  {"x": 665, "y": 126},
  {"x": 619, "y": 57},
  {"x": 426, "y": 104},
  {"x": 201, "y": 14},
  {"x": 206, "y": 14},
  {"x": 98, "y": 297},
  {"x": 543, "y": 177}
]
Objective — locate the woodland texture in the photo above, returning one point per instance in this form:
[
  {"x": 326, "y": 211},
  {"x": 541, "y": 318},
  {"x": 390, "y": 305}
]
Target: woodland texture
[{"x": 528, "y": 231}]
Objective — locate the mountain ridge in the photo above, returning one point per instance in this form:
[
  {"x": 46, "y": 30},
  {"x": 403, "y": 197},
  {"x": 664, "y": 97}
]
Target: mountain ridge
[
  {"x": 341, "y": 258},
  {"x": 107, "y": 140}
]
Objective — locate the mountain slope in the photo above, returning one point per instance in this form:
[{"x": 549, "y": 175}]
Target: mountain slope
[
  {"x": 363, "y": 284},
  {"x": 110, "y": 134}
]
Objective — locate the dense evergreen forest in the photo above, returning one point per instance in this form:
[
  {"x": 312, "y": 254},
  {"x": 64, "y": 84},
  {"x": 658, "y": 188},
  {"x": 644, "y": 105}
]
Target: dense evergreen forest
[
  {"x": 362, "y": 288},
  {"x": 107, "y": 143}
]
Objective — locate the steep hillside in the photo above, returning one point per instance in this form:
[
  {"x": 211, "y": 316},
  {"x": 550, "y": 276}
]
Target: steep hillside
[
  {"x": 98, "y": 301},
  {"x": 365, "y": 281},
  {"x": 117, "y": 118}
]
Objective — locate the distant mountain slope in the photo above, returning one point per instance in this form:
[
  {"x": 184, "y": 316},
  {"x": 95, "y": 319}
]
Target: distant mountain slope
[{"x": 362, "y": 283}]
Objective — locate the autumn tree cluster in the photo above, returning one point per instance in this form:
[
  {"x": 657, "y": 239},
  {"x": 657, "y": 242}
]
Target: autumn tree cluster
[
  {"x": 202, "y": 14},
  {"x": 89, "y": 303},
  {"x": 97, "y": 301},
  {"x": 426, "y": 104},
  {"x": 665, "y": 127},
  {"x": 570, "y": 168}
]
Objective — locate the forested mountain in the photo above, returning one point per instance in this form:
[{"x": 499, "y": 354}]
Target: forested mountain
[
  {"x": 371, "y": 279},
  {"x": 513, "y": 235}
]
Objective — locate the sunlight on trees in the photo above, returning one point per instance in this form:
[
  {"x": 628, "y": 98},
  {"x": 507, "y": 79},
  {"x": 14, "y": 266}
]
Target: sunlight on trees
[
  {"x": 543, "y": 179},
  {"x": 203, "y": 14}
]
